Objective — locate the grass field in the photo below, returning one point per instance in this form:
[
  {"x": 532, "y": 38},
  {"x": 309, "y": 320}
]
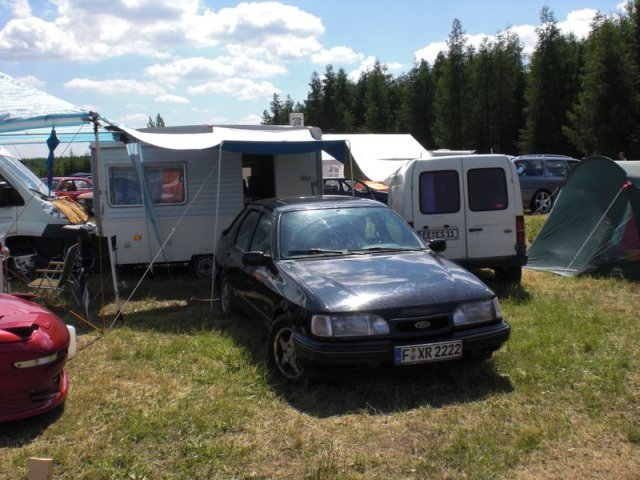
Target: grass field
[{"x": 178, "y": 393}]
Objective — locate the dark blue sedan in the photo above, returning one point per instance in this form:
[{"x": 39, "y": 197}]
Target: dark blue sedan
[{"x": 345, "y": 284}]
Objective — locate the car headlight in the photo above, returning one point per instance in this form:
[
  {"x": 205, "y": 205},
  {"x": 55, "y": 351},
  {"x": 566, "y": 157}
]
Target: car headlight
[
  {"x": 477, "y": 312},
  {"x": 357, "y": 325},
  {"x": 36, "y": 362},
  {"x": 53, "y": 211}
]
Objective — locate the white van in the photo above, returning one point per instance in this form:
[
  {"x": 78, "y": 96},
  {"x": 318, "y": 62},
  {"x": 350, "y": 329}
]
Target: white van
[
  {"x": 32, "y": 223},
  {"x": 471, "y": 201}
]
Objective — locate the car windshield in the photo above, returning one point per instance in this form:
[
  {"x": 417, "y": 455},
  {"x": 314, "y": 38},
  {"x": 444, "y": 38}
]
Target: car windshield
[{"x": 344, "y": 230}]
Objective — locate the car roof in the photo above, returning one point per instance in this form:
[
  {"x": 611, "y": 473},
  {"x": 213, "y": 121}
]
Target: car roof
[
  {"x": 544, "y": 156},
  {"x": 325, "y": 201}
]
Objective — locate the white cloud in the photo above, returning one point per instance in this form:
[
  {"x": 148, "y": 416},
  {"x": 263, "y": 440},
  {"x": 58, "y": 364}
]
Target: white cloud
[
  {"x": 367, "y": 65},
  {"x": 430, "y": 52},
  {"x": 88, "y": 30},
  {"x": 200, "y": 68},
  {"x": 113, "y": 87},
  {"x": 136, "y": 120},
  {"x": 253, "y": 25},
  {"x": 31, "y": 80},
  {"x": 19, "y": 8},
  {"x": 577, "y": 22},
  {"x": 240, "y": 88},
  {"x": 336, "y": 55},
  {"x": 171, "y": 99}
]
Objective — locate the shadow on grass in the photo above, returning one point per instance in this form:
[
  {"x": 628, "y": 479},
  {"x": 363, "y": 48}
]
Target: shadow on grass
[
  {"x": 376, "y": 392},
  {"x": 19, "y": 433},
  {"x": 386, "y": 392},
  {"x": 503, "y": 289}
]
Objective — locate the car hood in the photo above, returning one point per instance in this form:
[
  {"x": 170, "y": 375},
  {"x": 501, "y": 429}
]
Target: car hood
[{"x": 383, "y": 281}]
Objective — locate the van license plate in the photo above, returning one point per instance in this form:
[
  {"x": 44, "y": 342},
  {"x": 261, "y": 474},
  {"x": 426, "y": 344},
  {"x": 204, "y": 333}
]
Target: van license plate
[
  {"x": 443, "y": 233},
  {"x": 430, "y": 352}
]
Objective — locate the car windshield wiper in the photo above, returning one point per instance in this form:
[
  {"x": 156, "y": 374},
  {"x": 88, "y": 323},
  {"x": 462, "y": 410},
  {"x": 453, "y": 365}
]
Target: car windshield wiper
[
  {"x": 384, "y": 249},
  {"x": 316, "y": 251}
]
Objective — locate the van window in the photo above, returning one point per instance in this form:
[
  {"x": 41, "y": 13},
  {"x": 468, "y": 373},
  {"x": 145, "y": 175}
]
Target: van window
[
  {"x": 165, "y": 184},
  {"x": 439, "y": 192},
  {"x": 487, "y": 189}
]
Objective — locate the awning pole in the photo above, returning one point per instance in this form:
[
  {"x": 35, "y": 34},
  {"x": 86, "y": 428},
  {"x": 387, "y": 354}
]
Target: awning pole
[{"x": 215, "y": 225}]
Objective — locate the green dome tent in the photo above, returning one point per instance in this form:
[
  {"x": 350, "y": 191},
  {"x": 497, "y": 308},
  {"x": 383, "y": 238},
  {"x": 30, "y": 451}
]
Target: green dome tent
[{"x": 593, "y": 227}]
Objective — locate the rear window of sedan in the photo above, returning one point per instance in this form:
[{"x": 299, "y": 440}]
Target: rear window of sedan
[{"x": 307, "y": 232}]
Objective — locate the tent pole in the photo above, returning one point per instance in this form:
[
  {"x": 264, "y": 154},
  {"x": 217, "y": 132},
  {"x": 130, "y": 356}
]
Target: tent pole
[
  {"x": 95, "y": 172},
  {"x": 594, "y": 229},
  {"x": 215, "y": 224}
]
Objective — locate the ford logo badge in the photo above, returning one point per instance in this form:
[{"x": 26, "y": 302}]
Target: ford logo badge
[{"x": 423, "y": 324}]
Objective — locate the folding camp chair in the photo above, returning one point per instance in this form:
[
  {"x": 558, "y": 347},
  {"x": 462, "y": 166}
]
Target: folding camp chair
[{"x": 59, "y": 276}]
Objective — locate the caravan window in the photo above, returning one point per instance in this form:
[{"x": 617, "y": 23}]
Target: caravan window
[
  {"x": 439, "y": 192},
  {"x": 165, "y": 184}
]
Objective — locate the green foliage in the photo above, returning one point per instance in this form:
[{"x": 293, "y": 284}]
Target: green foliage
[
  {"x": 158, "y": 122},
  {"x": 574, "y": 97}
]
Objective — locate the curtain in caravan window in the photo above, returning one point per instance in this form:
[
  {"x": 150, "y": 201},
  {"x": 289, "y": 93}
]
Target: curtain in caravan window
[{"x": 165, "y": 184}]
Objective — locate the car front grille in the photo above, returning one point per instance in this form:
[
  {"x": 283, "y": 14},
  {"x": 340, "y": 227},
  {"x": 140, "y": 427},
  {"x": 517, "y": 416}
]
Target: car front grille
[{"x": 423, "y": 326}]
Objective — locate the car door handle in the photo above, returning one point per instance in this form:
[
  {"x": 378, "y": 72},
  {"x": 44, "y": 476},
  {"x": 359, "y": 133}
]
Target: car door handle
[{"x": 476, "y": 229}]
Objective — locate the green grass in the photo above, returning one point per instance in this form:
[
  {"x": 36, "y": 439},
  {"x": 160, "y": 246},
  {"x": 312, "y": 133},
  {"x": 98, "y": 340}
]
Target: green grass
[{"x": 178, "y": 393}]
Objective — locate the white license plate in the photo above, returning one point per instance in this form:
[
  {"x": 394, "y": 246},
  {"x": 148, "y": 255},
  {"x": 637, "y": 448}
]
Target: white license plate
[
  {"x": 443, "y": 233},
  {"x": 430, "y": 352}
]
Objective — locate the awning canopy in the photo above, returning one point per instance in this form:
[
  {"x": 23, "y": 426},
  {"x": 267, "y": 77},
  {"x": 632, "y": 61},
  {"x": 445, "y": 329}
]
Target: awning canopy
[
  {"x": 24, "y": 107},
  {"x": 258, "y": 141}
]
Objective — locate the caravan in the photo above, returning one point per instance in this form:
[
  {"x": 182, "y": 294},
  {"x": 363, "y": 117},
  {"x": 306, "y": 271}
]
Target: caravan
[
  {"x": 33, "y": 225},
  {"x": 471, "y": 201},
  {"x": 165, "y": 195}
]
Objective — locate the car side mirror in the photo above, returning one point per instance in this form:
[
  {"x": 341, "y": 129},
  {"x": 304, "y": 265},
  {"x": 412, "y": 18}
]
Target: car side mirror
[
  {"x": 438, "y": 245},
  {"x": 255, "y": 259}
]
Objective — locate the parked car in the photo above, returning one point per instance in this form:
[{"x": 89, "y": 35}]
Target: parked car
[
  {"x": 349, "y": 187},
  {"x": 34, "y": 347},
  {"x": 344, "y": 284},
  {"x": 70, "y": 187},
  {"x": 471, "y": 201},
  {"x": 540, "y": 178}
]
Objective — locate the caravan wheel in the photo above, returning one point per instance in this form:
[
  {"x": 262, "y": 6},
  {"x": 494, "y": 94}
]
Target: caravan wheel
[{"x": 201, "y": 266}]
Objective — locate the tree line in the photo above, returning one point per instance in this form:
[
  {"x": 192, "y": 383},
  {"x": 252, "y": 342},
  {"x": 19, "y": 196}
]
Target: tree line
[{"x": 578, "y": 97}]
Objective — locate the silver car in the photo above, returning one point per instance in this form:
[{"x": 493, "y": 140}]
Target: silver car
[{"x": 540, "y": 178}]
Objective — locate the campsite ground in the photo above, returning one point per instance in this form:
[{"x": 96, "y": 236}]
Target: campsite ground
[{"x": 177, "y": 392}]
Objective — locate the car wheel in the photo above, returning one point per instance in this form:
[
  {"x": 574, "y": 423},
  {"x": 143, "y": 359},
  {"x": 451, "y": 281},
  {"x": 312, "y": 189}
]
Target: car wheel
[
  {"x": 541, "y": 202},
  {"x": 509, "y": 274},
  {"x": 201, "y": 266},
  {"x": 282, "y": 354},
  {"x": 226, "y": 302}
]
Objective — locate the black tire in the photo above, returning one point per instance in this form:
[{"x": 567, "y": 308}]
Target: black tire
[
  {"x": 509, "y": 274},
  {"x": 226, "y": 300},
  {"x": 201, "y": 266},
  {"x": 542, "y": 202},
  {"x": 282, "y": 354}
]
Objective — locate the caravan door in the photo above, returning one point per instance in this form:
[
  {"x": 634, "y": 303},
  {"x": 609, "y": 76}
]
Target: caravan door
[
  {"x": 438, "y": 203},
  {"x": 490, "y": 206}
]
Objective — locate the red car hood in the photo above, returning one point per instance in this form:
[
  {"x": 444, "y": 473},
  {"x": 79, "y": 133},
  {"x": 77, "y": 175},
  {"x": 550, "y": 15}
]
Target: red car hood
[{"x": 19, "y": 317}]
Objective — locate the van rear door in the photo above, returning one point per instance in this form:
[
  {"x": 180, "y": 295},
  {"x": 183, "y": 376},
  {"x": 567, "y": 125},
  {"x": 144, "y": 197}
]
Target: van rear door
[
  {"x": 438, "y": 207},
  {"x": 490, "y": 207}
]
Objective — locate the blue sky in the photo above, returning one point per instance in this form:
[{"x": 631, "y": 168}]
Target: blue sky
[{"x": 220, "y": 62}]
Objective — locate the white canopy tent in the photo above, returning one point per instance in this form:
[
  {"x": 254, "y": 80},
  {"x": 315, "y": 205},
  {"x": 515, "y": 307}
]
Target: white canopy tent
[{"x": 375, "y": 156}]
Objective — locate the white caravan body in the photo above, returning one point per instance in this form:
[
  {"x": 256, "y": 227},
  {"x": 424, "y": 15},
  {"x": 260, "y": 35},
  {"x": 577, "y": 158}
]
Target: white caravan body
[{"x": 192, "y": 195}]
